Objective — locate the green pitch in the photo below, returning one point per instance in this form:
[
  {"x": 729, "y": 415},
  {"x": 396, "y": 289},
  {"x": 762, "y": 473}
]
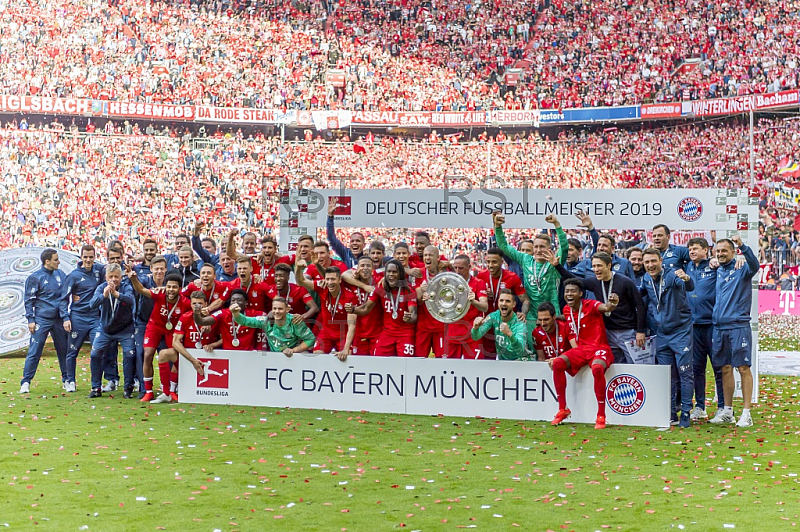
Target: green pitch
[{"x": 70, "y": 463}]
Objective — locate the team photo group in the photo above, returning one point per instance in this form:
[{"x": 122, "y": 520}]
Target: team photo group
[{"x": 556, "y": 299}]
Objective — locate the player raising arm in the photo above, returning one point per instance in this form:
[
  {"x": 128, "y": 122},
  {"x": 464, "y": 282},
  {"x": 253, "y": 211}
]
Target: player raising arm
[{"x": 284, "y": 333}]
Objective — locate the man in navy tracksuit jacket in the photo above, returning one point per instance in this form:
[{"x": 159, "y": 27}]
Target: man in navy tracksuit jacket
[
  {"x": 208, "y": 258},
  {"x": 670, "y": 318},
  {"x": 75, "y": 303},
  {"x": 116, "y": 304},
  {"x": 701, "y": 301},
  {"x": 144, "y": 306},
  {"x": 349, "y": 255},
  {"x": 732, "y": 336},
  {"x": 43, "y": 289},
  {"x": 673, "y": 257}
]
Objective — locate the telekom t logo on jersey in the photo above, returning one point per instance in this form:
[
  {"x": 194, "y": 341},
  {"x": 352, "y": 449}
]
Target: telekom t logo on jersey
[{"x": 215, "y": 373}]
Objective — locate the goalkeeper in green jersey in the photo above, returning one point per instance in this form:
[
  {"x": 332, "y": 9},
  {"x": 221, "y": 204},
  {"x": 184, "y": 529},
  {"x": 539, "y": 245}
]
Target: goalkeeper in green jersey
[
  {"x": 506, "y": 329},
  {"x": 539, "y": 277},
  {"x": 284, "y": 334}
]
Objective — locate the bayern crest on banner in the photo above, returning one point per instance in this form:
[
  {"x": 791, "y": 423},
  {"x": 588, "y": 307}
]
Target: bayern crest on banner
[
  {"x": 690, "y": 209},
  {"x": 625, "y": 394}
]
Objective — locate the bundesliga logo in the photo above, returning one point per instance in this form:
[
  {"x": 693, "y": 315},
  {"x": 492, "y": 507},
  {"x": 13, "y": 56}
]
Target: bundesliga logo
[
  {"x": 625, "y": 394},
  {"x": 690, "y": 209},
  {"x": 215, "y": 373}
]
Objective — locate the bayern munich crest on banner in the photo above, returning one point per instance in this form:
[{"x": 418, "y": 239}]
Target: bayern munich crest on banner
[
  {"x": 625, "y": 394},
  {"x": 690, "y": 209}
]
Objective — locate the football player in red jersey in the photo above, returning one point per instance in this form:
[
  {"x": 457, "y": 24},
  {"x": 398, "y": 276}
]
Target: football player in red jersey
[
  {"x": 195, "y": 339},
  {"x": 377, "y": 252},
  {"x": 430, "y": 331},
  {"x": 232, "y": 336},
  {"x": 458, "y": 340},
  {"x": 257, "y": 298},
  {"x": 216, "y": 293},
  {"x": 496, "y": 278},
  {"x": 399, "y": 303},
  {"x": 301, "y": 304},
  {"x": 338, "y": 326},
  {"x": 323, "y": 261},
  {"x": 263, "y": 263},
  {"x": 589, "y": 346},
  {"x": 363, "y": 282},
  {"x": 167, "y": 310},
  {"x": 551, "y": 336}
]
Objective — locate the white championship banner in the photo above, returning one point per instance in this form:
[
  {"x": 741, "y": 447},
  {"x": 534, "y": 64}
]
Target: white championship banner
[
  {"x": 635, "y": 394},
  {"x": 707, "y": 209}
]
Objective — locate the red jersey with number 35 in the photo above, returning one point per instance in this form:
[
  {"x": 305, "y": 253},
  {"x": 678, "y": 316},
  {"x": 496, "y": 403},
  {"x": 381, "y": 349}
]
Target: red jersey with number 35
[
  {"x": 592, "y": 329},
  {"x": 162, "y": 309},
  {"x": 404, "y": 300}
]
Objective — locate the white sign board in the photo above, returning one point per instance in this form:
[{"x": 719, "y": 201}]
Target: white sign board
[{"x": 635, "y": 395}]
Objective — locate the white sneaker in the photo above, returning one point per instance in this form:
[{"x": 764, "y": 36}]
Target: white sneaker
[
  {"x": 111, "y": 386},
  {"x": 25, "y": 388},
  {"x": 745, "y": 420},
  {"x": 163, "y": 398},
  {"x": 722, "y": 417},
  {"x": 69, "y": 387},
  {"x": 698, "y": 413}
]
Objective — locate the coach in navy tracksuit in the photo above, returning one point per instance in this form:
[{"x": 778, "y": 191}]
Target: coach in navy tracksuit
[
  {"x": 701, "y": 301},
  {"x": 116, "y": 304},
  {"x": 674, "y": 257},
  {"x": 732, "y": 336},
  {"x": 75, "y": 303},
  {"x": 43, "y": 289},
  {"x": 669, "y": 316}
]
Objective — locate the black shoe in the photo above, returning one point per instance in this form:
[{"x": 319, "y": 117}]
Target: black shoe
[
  {"x": 96, "y": 392},
  {"x": 685, "y": 421},
  {"x": 128, "y": 393}
]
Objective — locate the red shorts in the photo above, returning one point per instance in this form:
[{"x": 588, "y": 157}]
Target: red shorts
[
  {"x": 466, "y": 349},
  {"x": 583, "y": 355},
  {"x": 326, "y": 345},
  {"x": 489, "y": 347},
  {"x": 364, "y": 346},
  {"x": 390, "y": 346},
  {"x": 427, "y": 341},
  {"x": 154, "y": 335}
]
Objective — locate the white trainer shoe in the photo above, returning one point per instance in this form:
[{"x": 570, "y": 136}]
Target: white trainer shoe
[
  {"x": 698, "y": 413},
  {"x": 722, "y": 417},
  {"x": 70, "y": 387},
  {"x": 25, "y": 388},
  {"x": 745, "y": 420},
  {"x": 111, "y": 386},
  {"x": 163, "y": 398}
]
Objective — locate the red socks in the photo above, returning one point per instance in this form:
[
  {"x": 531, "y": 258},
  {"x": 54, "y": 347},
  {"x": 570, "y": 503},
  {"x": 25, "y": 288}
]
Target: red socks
[
  {"x": 173, "y": 380},
  {"x": 148, "y": 384},
  {"x": 163, "y": 373},
  {"x": 599, "y": 374},
  {"x": 560, "y": 380}
]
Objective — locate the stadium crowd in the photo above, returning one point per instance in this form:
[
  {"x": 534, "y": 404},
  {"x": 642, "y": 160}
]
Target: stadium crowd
[
  {"x": 408, "y": 55},
  {"x": 63, "y": 188}
]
